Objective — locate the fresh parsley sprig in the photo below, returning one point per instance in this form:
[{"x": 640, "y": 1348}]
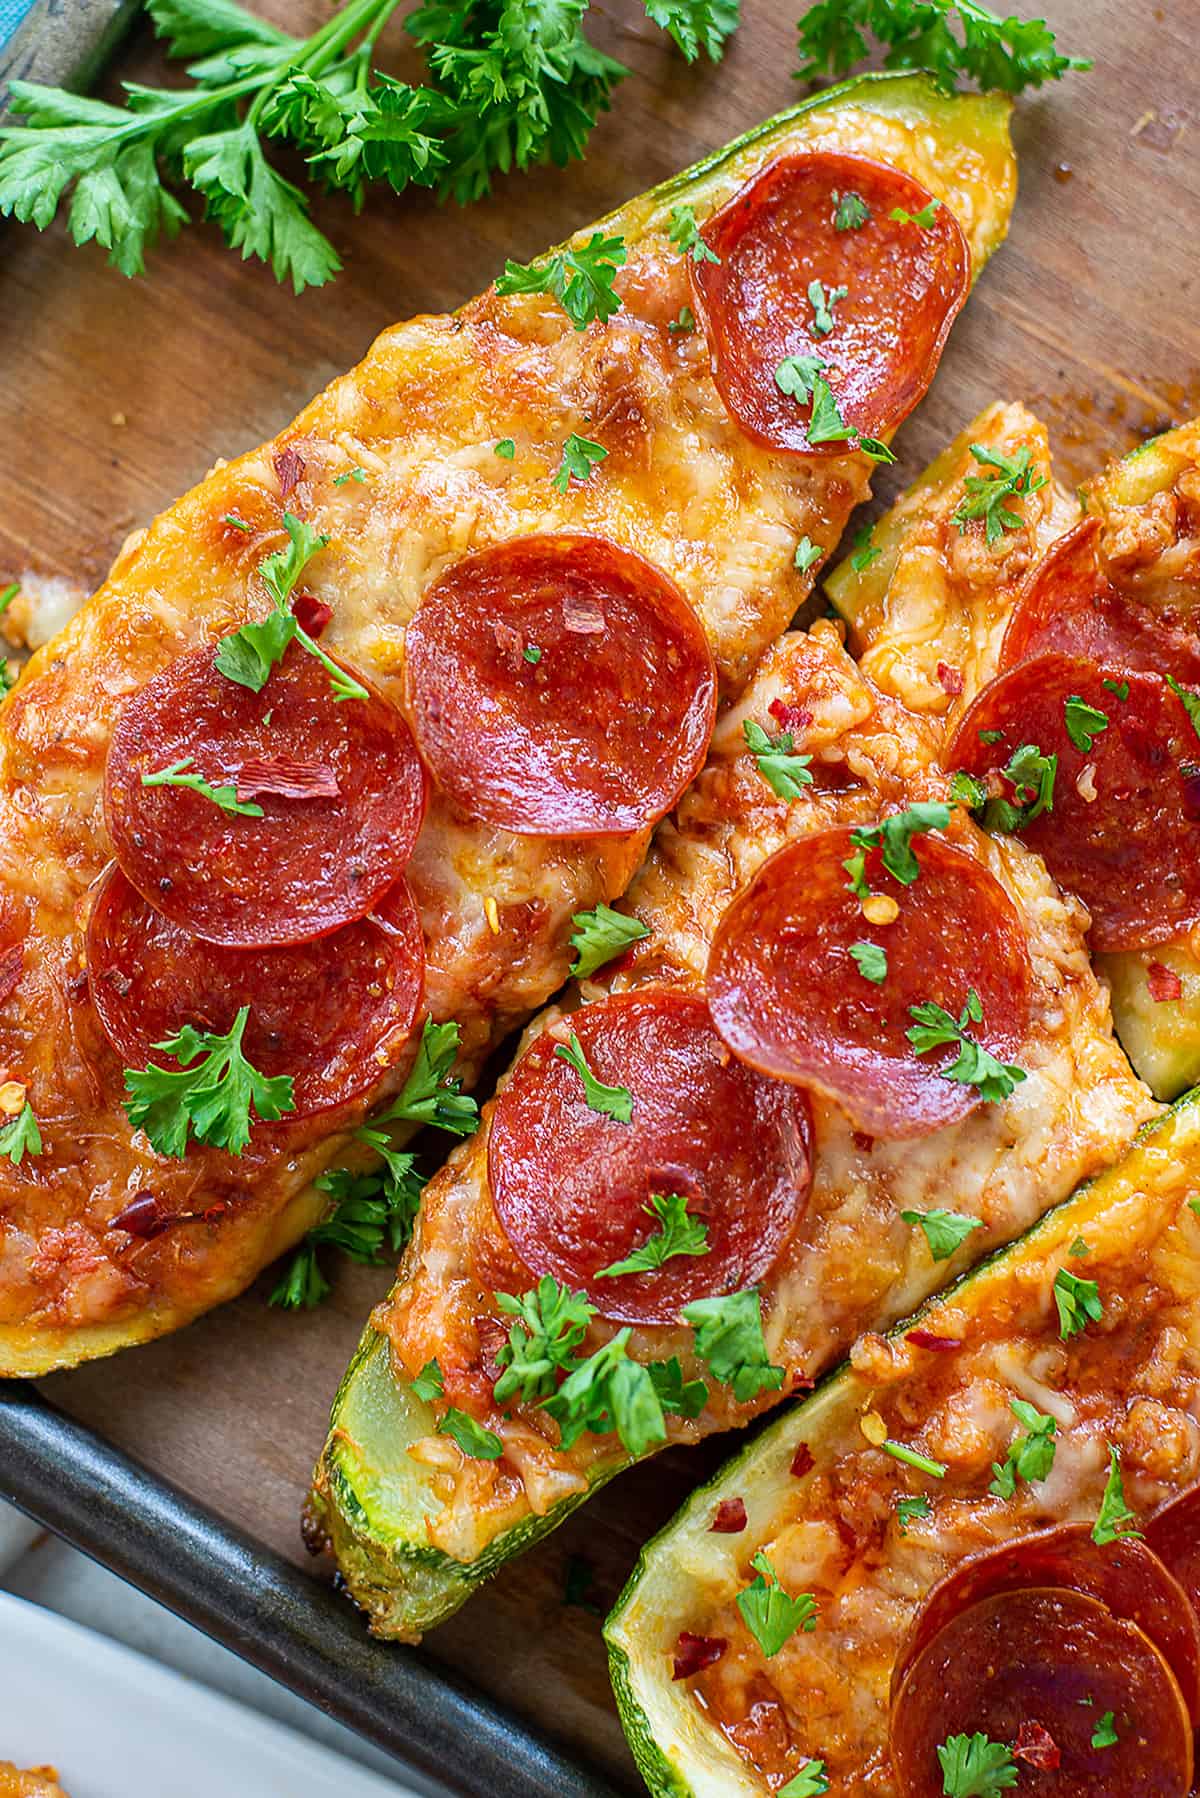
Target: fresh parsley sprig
[
  {"x": 248, "y": 655},
  {"x": 1030, "y": 1456},
  {"x": 21, "y": 1136},
  {"x": 431, "y": 1094},
  {"x": 729, "y": 1338},
  {"x": 551, "y": 1323},
  {"x": 581, "y": 280},
  {"x": 944, "y": 1231},
  {"x": 579, "y": 456},
  {"x": 678, "y": 1233},
  {"x": 1010, "y": 54},
  {"x": 1114, "y": 1519},
  {"x": 183, "y": 774},
  {"x": 986, "y": 496},
  {"x": 975, "y": 1767},
  {"x": 612, "y": 1101},
  {"x": 371, "y": 1220},
  {"x": 1078, "y": 1301},
  {"x": 1032, "y": 776},
  {"x": 600, "y": 935},
  {"x": 684, "y": 233},
  {"x": 785, "y": 773},
  {"x": 893, "y": 836},
  {"x": 609, "y": 1391},
  {"x": 210, "y": 1096},
  {"x": 769, "y": 1613},
  {"x": 933, "y": 1027}
]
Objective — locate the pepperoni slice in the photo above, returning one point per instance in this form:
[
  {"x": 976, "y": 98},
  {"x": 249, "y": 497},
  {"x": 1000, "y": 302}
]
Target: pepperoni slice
[
  {"x": 1127, "y": 1577},
  {"x": 788, "y": 996},
  {"x": 570, "y": 1185},
  {"x": 1174, "y": 1535},
  {"x": 1124, "y": 832},
  {"x": 905, "y": 285},
  {"x": 308, "y": 865},
  {"x": 334, "y": 1013},
  {"x": 561, "y": 686},
  {"x": 1068, "y": 605},
  {"x": 1059, "y": 1659}
]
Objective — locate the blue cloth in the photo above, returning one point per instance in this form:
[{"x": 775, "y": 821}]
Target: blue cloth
[{"x": 12, "y": 13}]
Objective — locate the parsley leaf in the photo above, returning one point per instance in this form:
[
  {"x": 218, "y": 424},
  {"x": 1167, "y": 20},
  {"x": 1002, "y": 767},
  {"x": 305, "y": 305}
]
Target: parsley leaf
[
  {"x": 1189, "y": 700},
  {"x": 865, "y": 551},
  {"x": 684, "y": 323},
  {"x": 796, "y": 376},
  {"x": 684, "y": 233},
  {"x": 1010, "y": 53},
  {"x": 826, "y": 424},
  {"x": 1032, "y": 776},
  {"x": 697, "y": 25},
  {"x": 1084, "y": 723},
  {"x": 974, "y": 1767},
  {"x": 430, "y": 1095},
  {"x": 933, "y": 1027},
  {"x": 678, "y": 1397},
  {"x": 1078, "y": 1303},
  {"x": 350, "y": 474},
  {"x": 924, "y": 218},
  {"x": 210, "y": 1097},
  {"x": 248, "y": 655},
  {"x": 1030, "y": 1457},
  {"x": 581, "y": 280},
  {"x": 913, "y": 1457},
  {"x": 1118, "y": 687},
  {"x": 1104, "y": 1735},
  {"x": 608, "y": 1392},
  {"x": 852, "y": 212},
  {"x": 474, "y": 1440},
  {"x": 677, "y": 1234},
  {"x": 372, "y": 1218},
  {"x": 871, "y": 961},
  {"x": 771, "y": 1616},
  {"x": 945, "y": 1231},
  {"x": 910, "y": 1510},
  {"x": 612, "y": 1101},
  {"x": 551, "y": 1323},
  {"x": 506, "y": 449},
  {"x": 810, "y": 1782},
  {"x": 823, "y": 302},
  {"x": 894, "y": 836},
  {"x": 580, "y": 455},
  {"x": 427, "y": 1385},
  {"x": 1114, "y": 1519},
  {"x": 966, "y": 790},
  {"x": 21, "y": 1136},
  {"x": 729, "y": 1338},
  {"x": 986, "y": 496},
  {"x": 807, "y": 553},
  {"x": 601, "y": 934},
  {"x": 786, "y": 774},
  {"x": 225, "y": 796}
]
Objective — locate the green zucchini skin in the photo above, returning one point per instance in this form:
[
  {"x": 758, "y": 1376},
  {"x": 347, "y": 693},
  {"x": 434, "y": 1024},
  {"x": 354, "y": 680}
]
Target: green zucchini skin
[
  {"x": 369, "y": 1498},
  {"x": 679, "y": 1754}
]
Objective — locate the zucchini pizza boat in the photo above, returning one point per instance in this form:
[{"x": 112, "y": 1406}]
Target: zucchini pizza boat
[
  {"x": 1058, "y": 649},
  {"x": 355, "y": 729},
  {"x": 848, "y": 1043},
  {"x": 970, "y": 1562}
]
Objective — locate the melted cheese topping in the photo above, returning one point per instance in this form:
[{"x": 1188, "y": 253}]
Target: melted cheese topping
[{"x": 853, "y": 1263}]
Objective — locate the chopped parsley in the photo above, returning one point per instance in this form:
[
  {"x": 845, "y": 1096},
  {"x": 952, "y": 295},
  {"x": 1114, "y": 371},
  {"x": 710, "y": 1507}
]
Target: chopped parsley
[
  {"x": 431, "y": 1095},
  {"x": 677, "y": 1396},
  {"x": 1120, "y": 688},
  {"x": 729, "y": 1339},
  {"x": 601, "y": 934},
  {"x": 865, "y": 551},
  {"x": 21, "y": 1136},
  {"x": 912, "y": 1457},
  {"x": 797, "y": 375},
  {"x": 967, "y": 790},
  {"x": 372, "y": 1219},
  {"x": 1009, "y": 53},
  {"x": 678, "y": 1233},
  {"x": 912, "y": 1510},
  {"x": 974, "y": 1767},
  {"x": 182, "y": 774},
  {"x": 684, "y": 233},
  {"x": 1079, "y": 1247},
  {"x": 810, "y": 1782},
  {"x": 807, "y": 553},
  {"x": 1078, "y": 1303},
  {"x": 239, "y": 524},
  {"x": 786, "y": 774},
  {"x": 827, "y": 424},
  {"x": 551, "y": 1322},
  {"x": 871, "y": 961},
  {"x": 1104, "y": 1735},
  {"x": 210, "y": 1096},
  {"x": 986, "y": 495},
  {"x": 350, "y": 474},
  {"x": 609, "y": 1391},
  {"x": 1032, "y": 776},
  {"x": 1084, "y": 723},
  {"x": 945, "y": 1231},
  {"x": 823, "y": 300},
  {"x": 924, "y": 218},
  {"x": 427, "y": 1385},
  {"x": 852, "y": 212},
  {"x": 532, "y": 654},
  {"x": 506, "y": 449},
  {"x": 686, "y": 322},
  {"x": 1114, "y": 1518},
  {"x": 771, "y": 1616},
  {"x": 248, "y": 655},
  {"x": 579, "y": 456},
  {"x": 933, "y": 1027},
  {"x": 894, "y": 837},
  {"x": 475, "y": 1441},
  {"x": 1031, "y": 1456},
  {"x": 580, "y": 279},
  {"x": 612, "y": 1101},
  {"x": 1189, "y": 700}
]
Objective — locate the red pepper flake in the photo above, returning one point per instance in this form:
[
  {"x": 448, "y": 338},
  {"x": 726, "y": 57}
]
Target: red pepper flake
[
  {"x": 694, "y": 1653},
  {"x": 289, "y": 467},
  {"x": 283, "y": 777},
  {"x": 312, "y": 615},
  {"x": 509, "y": 642},
  {"x": 789, "y": 717},
  {"x": 582, "y": 615},
  {"x": 492, "y": 1336},
  {"x": 927, "y": 1340},
  {"x": 951, "y": 678},
  {"x": 12, "y": 966},
  {"x": 1164, "y": 983},
  {"x": 1037, "y": 1747},
  {"x": 730, "y": 1518},
  {"x": 862, "y": 1142},
  {"x": 803, "y": 1461},
  {"x": 144, "y": 1217}
]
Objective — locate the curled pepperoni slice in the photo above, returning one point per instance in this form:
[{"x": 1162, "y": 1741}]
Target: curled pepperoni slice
[
  {"x": 904, "y": 284},
  {"x": 309, "y": 864},
  {"x": 334, "y": 1013},
  {"x": 1174, "y": 1535},
  {"x": 1124, "y": 831},
  {"x": 571, "y": 1185},
  {"x": 789, "y": 997},
  {"x": 1126, "y": 1576},
  {"x": 561, "y": 686},
  {"x": 1068, "y": 605},
  {"x": 1059, "y": 1659}
]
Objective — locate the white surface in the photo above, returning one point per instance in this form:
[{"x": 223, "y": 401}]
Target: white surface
[{"x": 117, "y": 1725}]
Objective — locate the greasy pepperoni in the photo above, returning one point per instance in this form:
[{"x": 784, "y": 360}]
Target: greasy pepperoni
[
  {"x": 603, "y": 729},
  {"x": 788, "y": 997},
  {"x": 1069, "y": 605},
  {"x": 1125, "y": 829},
  {"x": 1174, "y": 1535},
  {"x": 334, "y": 1013},
  {"x": 308, "y": 865},
  {"x": 570, "y": 1184},
  {"x": 1126, "y": 1576},
  {"x": 905, "y": 286},
  {"x": 1059, "y": 1659}
]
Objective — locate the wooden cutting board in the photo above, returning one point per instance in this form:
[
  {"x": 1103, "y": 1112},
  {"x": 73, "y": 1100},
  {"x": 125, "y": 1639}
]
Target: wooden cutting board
[{"x": 115, "y": 396}]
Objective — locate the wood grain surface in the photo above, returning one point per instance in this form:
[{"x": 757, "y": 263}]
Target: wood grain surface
[{"x": 115, "y": 396}]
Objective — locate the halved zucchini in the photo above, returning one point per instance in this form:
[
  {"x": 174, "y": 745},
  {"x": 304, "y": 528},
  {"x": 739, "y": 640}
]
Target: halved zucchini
[
  {"x": 1141, "y": 1238},
  {"x": 370, "y": 1497}
]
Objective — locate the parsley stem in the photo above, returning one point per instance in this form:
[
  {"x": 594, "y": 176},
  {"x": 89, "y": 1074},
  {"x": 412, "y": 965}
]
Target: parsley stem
[
  {"x": 315, "y": 53},
  {"x": 912, "y": 1458}
]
